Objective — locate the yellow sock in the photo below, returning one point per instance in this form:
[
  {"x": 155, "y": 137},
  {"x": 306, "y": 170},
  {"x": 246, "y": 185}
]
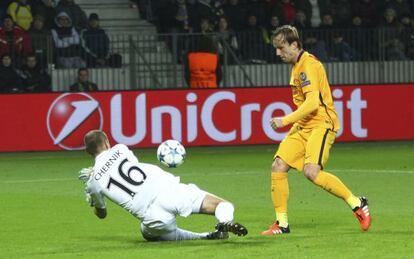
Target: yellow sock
[
  {"x": 280, "y": 196},
  {"x": 353, "y": 201},
  {"x": 334, "y": 185}
]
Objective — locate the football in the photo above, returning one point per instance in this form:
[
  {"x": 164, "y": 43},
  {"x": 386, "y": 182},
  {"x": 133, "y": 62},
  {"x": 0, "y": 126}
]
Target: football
[{"x": 171, "y": 153}]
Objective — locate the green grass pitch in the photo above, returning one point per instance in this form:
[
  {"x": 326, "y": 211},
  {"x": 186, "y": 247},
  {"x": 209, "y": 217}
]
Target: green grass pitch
[{"x": 44, "y": 214}]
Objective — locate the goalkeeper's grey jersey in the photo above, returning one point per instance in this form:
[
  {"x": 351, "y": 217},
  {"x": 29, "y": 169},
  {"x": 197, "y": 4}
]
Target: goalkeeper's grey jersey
[{"x": 133, "y": 185}]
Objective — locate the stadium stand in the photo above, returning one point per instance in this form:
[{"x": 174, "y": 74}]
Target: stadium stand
[{"x": 147, "y": 40}]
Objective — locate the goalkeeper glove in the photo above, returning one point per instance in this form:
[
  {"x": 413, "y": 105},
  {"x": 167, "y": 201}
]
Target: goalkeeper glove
[
  {"x": 85, "y": 174},
  {"x": 89, "y": 199}
]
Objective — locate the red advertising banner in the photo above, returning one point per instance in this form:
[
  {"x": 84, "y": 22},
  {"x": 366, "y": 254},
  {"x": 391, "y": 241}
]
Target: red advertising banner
[{"x": 59, "y": 121}]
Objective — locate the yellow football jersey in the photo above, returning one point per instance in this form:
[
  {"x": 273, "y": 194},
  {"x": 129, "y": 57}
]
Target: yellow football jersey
[{"x": 309, "y": 80}]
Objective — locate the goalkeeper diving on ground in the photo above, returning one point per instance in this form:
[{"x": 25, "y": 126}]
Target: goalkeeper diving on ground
[{"x": 150, "y": 194}]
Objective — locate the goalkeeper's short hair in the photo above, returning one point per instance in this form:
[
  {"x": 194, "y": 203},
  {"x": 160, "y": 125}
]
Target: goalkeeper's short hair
[{"x": 94, "y": 140}]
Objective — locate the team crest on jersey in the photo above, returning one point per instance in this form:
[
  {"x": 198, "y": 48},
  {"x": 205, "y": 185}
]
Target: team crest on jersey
[
  {"x": 302, "y": 76},
  {"x": 305, "y": 82}
]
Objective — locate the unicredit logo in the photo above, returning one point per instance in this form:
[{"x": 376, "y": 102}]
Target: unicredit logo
[{"x": 70, "y": 117}]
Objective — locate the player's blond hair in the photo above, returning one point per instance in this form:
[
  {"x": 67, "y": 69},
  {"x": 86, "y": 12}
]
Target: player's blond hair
[
  {"x": 289, "y": 33},
  {"x": 94, "y": 141}
]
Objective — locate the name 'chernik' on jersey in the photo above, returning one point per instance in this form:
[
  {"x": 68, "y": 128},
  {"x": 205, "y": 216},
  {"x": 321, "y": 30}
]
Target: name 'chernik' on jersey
[{"x": 119, "y": 176}]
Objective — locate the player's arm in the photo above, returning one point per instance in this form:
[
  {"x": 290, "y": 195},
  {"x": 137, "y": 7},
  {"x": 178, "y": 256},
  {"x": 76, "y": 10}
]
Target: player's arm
[
  {"x": 310, "y": 105},
  {"x": 95, "y": 198},
  {"x": 98, "y": 202},
  {"x": 310, "y": 86}
]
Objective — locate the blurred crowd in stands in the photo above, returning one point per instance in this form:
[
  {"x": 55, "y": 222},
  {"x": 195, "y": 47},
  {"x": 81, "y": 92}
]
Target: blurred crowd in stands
[
  {"x": 34, "y": 34},
  {"x": 38, "y": 33},
  {"x": 333, "y": 30}
]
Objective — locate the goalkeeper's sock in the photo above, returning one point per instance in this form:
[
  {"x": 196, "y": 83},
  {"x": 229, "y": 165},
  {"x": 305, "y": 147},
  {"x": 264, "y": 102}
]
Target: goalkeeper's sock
[
  {"x": 335, "y": 186},
  {"x": 224, "y": 212},
  {"x": 280, "y": 196},
  {"x": 182, "y": 234}
]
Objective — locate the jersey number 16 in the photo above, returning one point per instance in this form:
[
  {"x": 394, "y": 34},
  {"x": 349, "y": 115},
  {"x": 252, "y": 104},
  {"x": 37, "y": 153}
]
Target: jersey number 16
[{"x": 127, "y": 177}]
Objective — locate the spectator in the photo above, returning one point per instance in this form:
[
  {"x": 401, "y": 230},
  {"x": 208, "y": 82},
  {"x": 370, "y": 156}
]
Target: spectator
[
  {"x": 301, "y": 21},
  {"x": 21, "y": 13},
  {"x": 410, "y": 43},
  {"x": 341, "y": 50},
  {"x": 327, "y": 22},
  {"x": 401, "y": 7},
  {"x": 41, "y": 43},
  {"x": 203, "y": 10},
  {"x": 408, "y": 36},
  {"x": 95, "y": 42},
  {"x": 362, "y": 40},
  {"x": 202, "y": 68},
  {"x": 327, "y": 27},
  {"x": 342, "y": 11},
  {"x": 412, "y": 7},
  {"x": 175, "y": 17},
  {"x": 3, "y": 9},
  {"x": 252, "y": 42},
  {"x": 45, "y": 9},
  {"x": 10, "y": 80},
  {"x": 392, "y": 45},
  {"x": 256, "y": 8},
  {"x": 14, "y": 41},
  {"x": 67, "y": 43},
  {"x": 367, "y": 11},
  {"x": 205, "y": 26},
  {"x": 313, "y": 10},
  {"x": 315, "y": 45},
  {"x": 270, "y": 28},
  {"x": 83, "y": 84},
  {"x": 181, "y": 18},
  {"x": 76, "y": 14},
  {"x": 270, "y": 53},
  {"x": 286, "y": 11},
  {"x": 227, "y": 37},
  {"x": 35, "y": 78},
  {"x": 406, "y": 21},
  {"x": 236, "y": 14}
]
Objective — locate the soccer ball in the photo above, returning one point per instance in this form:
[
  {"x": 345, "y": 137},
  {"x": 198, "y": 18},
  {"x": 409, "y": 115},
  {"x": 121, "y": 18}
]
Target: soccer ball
[{"x": 171, "y": 153}]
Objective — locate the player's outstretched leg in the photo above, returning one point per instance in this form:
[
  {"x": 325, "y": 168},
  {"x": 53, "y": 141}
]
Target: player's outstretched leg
[
  {"x": 172, "y": 233},
  {"x": 233, "y": 227},
  {"x": 362, "y": 214},
  {"x": 215, "y": 235},
  {"x": 223, "y": 210},
  {"x": 336, "y": 187}
]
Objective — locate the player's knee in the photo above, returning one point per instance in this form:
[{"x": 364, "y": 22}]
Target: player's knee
[
  {"x": 279, "y": 165},
  {"x": 210, "y": 204},
  {"x": 311, "y": 171}
]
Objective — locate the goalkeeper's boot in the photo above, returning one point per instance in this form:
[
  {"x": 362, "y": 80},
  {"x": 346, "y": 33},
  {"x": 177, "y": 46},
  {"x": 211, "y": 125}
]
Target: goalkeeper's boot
[
  {"x": 230, "y": 226},
  {"x": 362, "y": 214},
  {"x": 275, "y": 229},
  {"x": 216, "y": 235}
]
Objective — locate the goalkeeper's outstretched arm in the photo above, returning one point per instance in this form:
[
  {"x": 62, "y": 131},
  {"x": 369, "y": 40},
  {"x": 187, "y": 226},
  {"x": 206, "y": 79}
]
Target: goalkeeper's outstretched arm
[
  {"x": 98, "y": 202},
  {"x": 92, "y": 193}
]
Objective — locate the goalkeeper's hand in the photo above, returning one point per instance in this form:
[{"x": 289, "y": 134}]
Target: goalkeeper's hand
[{"x": 85, "y": 174}]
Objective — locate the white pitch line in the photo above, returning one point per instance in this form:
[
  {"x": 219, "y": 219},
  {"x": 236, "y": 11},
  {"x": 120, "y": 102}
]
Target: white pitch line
[
  {"x": 41, "y": 180},
  {"x": 391, "y": 171},
  {"x": 382, "y": 171}
]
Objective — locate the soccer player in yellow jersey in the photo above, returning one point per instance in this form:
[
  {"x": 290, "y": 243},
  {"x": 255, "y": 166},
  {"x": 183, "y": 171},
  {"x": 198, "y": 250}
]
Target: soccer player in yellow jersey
[{"x": 314, "y": 126}]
